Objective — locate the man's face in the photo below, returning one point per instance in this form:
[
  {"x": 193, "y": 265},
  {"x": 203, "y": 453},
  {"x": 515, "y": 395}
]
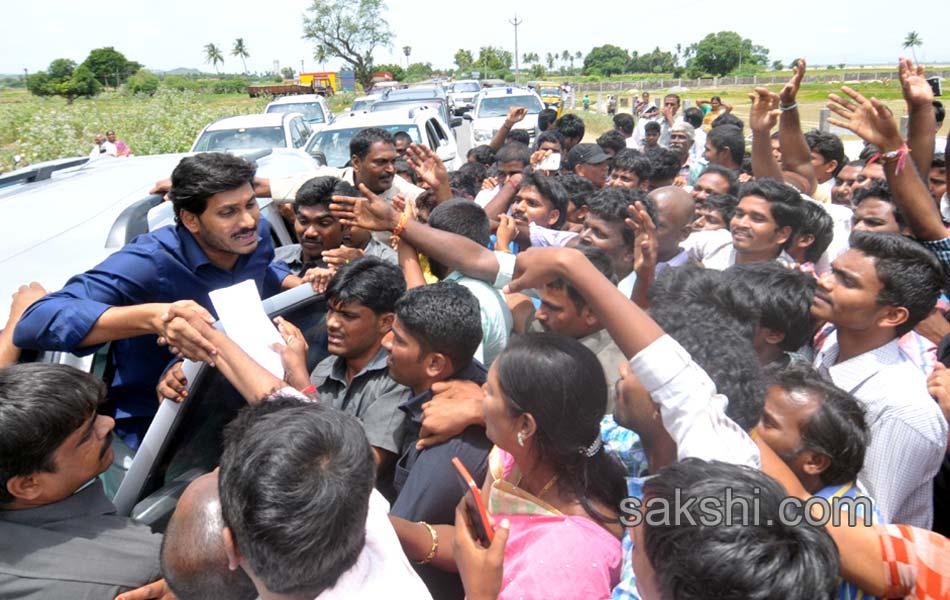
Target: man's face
[
  {"x": 531, "y": 207},
  {"x": 841, "y": 190},
  {"x": 559, "y": 314},
  {"x": 651, "y": 139},
  {"x": 776, "y": 151},
  {"x": 672, "y": 103},
  {"x": 401, "y": 145},
  {"x": 608, "y": 236},
  {"x": 553, "y": 146},
  {"x": 780, "y": 427},
  {"x": 847, "y": 296},
  {"x": 754, "y": 230},
  {"x": 680, "y": 143},
  {"x": 507, "y": 169},
  {"x": 406, "y": 365},
  {"x": 711, "y": 154},
  {"x": 672, "y": 227},
  {"x": 99, "y": 139},
  {"x": 824, "y": 170},
  {"x": 873, "y": 214},
  {"x": 870, "y": 173},
  {"x": 622, "y": 178},
  {"x": 709, "y": 183},
  {"x": 708, "y": 219},
  {"x": 110, "y": 136},
  {"x": 355, "y": 237},
  {"x": 228, "y": 226},
  {"x": 354, "y": 329},
  {"x": 937, "y": 182},
  {"x": 378, "y": 168},
  {"x": 83, "y": 455},
  {"x": 317, "y": 230},
  {"x": 596, "y": 174}
]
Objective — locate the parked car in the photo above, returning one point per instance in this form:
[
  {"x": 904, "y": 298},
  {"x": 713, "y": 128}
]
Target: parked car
[
  {"x": 313, "y": 107},
  {"x": 491, "y": 109},
  {"x": 432, "y": 96},
  {"x": 462, "y": 95},
  {"x": 364, "y": 102},
  {"x": 424, "y": 125},
  {"x": 253, "y": 132}
]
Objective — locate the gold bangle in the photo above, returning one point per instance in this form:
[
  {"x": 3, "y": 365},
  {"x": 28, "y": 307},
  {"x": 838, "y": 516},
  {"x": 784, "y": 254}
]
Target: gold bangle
[{"x": 435, "y": 544}]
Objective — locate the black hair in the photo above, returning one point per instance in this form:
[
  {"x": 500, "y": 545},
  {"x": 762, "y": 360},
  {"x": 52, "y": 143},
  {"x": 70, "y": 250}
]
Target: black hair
[
  {"x": 727, "y": 119},
  {"x": 724, "y": 203},
  {"x": 519, "y": 135},
  {"x": 837, "y": 428},
  {"x": 651, "y": 127},
  {"x": 693, "y": 116},
  {"x": 601, "y": 262},
  {"x": 879, "y": 190},
  {"x": 939, "y": 161},
  {"x": 764, "y": 558},
  {"x": 561, "y": 383},
  {"x": 546, "y": 117},
  {"x": 369, "y": 281},
  {"x": 571, "y": 126},
  {"x": 295, "y": 486},
  {"x": 549, "y": 136},
  {"x": 610, "y": 204},
  {"x": 402, "y": 135},
  {"x": 464, "y": 218},
  {"x": 319, "y": 191},
  {"x": 728, "y": 174},
  {"x": 633, "y": 161},
  {"x": 816, "y": 222},
  {"x": 939, "y": 111},
  {"x": 483, "y": 154},
  {"x": 785, "y": 202},
  {"x": 444, "y": 317},
  {"x": 364, "y": 140},
  {"x": 41, "y": 405},
  {"x": 772, "y": 296},
  {"x": 198, "y": 177},
  {"x": 579, "y": 189},
  {"x": 716, "y": 98},
  {"x": 623, "y": 123},
  {"x": 829, "y": 146},
  {"x": 910, "y": 275},
  {"x": 664, "y": 166},
  {"x": 868, "y": 152},
  {"x": 514, "y": 152},
  {"x": 468, "y": 178},
  {"x": 549, "y": 188},
  {"x": 728, "y": 137},
  {"x": 612, "y": 140}
]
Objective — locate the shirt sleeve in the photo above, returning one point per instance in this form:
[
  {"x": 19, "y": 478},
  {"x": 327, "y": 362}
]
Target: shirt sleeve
[
  {"x": 383, "y": 420},
  {"x": 61, "y": 320},
  {"x": 691, "y": 410},
  {"x": 940, "y": 249},
  {"x": 506, "y": 269},
  {"x": 542, "y": 236}
]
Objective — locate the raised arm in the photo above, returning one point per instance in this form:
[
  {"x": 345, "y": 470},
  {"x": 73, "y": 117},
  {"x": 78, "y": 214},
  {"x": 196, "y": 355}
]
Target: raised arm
[
  {"x": 515, "y": 115},
  {"x": 922, "y": 124},
  {"x": 796, "y": 155},
  {"x": 763, "y": 117}
]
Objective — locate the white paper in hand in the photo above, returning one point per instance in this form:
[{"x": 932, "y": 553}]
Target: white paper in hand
[{"x": 242, "y": 315}]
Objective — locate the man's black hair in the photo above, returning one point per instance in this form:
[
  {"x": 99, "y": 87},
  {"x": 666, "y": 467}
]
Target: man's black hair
[
  {"x": 519, "y": 135},
  {"x": 724, "y": 203},
  {"x": 41, "y": 405},
  {"x": 910, "y": 275},
  {"x": 546, "y": 118},
  {"x": 549, "y": 136},
  {"x": 623, "y": 123},
  {"x": 612, "y": 140},
  {"x": 772, "y": 296},
  {"x": 610, "y": 204},
  {"x": 633, "y": 161},
  {"x": 816, "y": 222},
  {"x": 651, "y": 127},
  {"x": 939, "y": 112},
  {"x": 726, "y": 173},
  {"x": 464, "y": 218},
  {"x": 829, "y": 146},
  {"x": 514, "y": 152},
  {"x": 730, "y": 137},
  {"x": 727, "y": 118},
  {"x": 483, "y": 154},
  {"x": 879, "y": 190},
  {"x": 402, "y": 135},
  {"x": 601, "y": 262},
  {"x": 571, "y": 126},
  {"x": 319, "y": 191},
  {"x": 939, "y": 161},
  {"x": 468, "y": 178},
  {"x": 370, "y": 281},
  {"x": 664, "y": 166},
  {"x": 785, "y": 202},
  {"x": 837, "y": 428},
  {"x": 444, "y": 317},
  {"x": 364, "y": 140},
  {"x": 868, "y": 152},
  {"x": 693, "y": 116},
  {"x": 549, "y": 188},
  {"x": 198, "y": 177},
  {"x": 579, "y": 189},
  {"x": 295, "y": 486},
  {"x": 738, "y": 558}
]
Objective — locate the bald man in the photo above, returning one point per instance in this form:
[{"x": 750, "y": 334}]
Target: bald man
[
  {"x": 674, "y": 210},
  {"x": 193, "y": 558}
]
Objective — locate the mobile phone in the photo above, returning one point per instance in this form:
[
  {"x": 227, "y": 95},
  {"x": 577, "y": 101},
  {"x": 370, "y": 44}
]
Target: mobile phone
[
  {"x": 551, "y": 163},
  {"x": 476, "y": 508},
  {"x": 935, "y": 85}
]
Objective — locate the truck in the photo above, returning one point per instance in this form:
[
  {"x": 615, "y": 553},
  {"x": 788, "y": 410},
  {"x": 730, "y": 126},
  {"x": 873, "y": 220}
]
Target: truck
[{"x": 325, "y": 84}]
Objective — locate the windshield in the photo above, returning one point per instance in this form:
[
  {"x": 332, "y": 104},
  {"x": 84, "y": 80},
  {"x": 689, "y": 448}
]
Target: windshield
[
  {"x": 405, "y": 104},
  {"x": 312, "y": 111},
  {"x": 465, "y": 87},
  {"x": 549, "y": 90},
  {"x": 498, "y": 106},
  {"x": 236, "y": 139},
  {"x": 359, "y": 105},
  {"x": 335, "y": 144}
]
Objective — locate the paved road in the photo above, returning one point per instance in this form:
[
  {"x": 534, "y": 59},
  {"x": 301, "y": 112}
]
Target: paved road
[{"x": 463, "y": 137}]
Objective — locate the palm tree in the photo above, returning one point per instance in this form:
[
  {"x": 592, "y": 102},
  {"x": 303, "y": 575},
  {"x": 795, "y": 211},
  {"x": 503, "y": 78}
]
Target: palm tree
[
  {"x": 240, "y": 50},
  {"x": 679, "y": 48},
  {"x": 213, "y": 56},
  {"x": 550, "y": 58},
  {"x": 566, "y": 56},
  {"x": 912, "y": 41}
]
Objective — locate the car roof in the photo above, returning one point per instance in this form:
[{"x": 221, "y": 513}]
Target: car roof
[
  {"x": 299, "y": 99},
  {"x": 420, "y": 93},
  {"x": 383, "y": 117},
  {"x": 505, "y": 91},
  {"x": 248, "y": 121}
]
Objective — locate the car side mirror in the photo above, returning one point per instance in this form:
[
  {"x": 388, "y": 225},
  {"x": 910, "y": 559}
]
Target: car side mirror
[
  {"x": 455, "y": 122},
  {"x": 467, "y": 116}
]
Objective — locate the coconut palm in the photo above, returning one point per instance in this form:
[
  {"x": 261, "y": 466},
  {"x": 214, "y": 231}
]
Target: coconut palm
[
  {"x": 213, "y": 55},
  {"x": 550, "y": 58},
  {"x": 240, "y": 50},
  {"x": 912, "y": 41}
]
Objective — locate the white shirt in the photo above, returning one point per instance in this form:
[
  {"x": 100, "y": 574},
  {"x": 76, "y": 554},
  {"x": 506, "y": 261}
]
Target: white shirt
[
  {"x": 106, "y": 148},
  {"x": 382, "y": 569},
  {"x": 497, "y": 321},
  {"x": 699, "y": 146},
  {"x": 715, "y": 251},
  {"x": 908, "y": 430},
  {"x": 639, "y": 132}
]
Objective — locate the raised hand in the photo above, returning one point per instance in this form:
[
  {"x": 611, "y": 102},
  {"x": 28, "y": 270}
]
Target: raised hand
[
  {"x": 790, "y": 91},
  {"x": 370, "y": 212},
  {"x": 535, "y": 267},
  {"x": 293, "y": 353},
  {"x": 428, "y": 166},
  {"x": 507, "y": 229},
  {"x": 645, "y": 246},
  {"x": 765, "y": 110},
  {"x": 515, "y": 115},
  {"x": 914, "y": 86},
  {"x": 868, "y": 119}
]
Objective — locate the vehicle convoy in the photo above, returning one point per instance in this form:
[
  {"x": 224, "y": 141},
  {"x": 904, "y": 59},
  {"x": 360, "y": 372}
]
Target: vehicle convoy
[
  {"x": 253, "y": 132},
  {"x": 491, "y": 110},
  {"x": 432, "y": 96},
  {"x": 462, "y": 95},
  {"x": 313, "y": 107}
]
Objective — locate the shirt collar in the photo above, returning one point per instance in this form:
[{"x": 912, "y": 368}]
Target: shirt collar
[
  {"x": 338, "y": 368},
  {"x": 850, "y": 374},
  {"x": 90, "y": 500},
  {"x": 195, "y": 257}
]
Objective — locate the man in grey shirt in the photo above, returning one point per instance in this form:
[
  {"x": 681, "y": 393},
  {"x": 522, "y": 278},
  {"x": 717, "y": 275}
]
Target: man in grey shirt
[{"x": 61, "y": 536}]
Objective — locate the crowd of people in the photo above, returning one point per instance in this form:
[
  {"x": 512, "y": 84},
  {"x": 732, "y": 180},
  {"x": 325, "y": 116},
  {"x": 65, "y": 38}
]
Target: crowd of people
[{"x": 678, "y": 366}]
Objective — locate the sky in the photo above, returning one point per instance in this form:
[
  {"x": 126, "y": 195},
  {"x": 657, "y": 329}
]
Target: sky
[{"x": 172, "y": 33}]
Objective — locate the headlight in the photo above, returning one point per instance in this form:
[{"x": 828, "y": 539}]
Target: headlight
[{"x": 483, "y": 135}]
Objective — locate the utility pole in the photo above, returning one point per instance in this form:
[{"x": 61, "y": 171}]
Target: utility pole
[{"x": 516, "y": 22}]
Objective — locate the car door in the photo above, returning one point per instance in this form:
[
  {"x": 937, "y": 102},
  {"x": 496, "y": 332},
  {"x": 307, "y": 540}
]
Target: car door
[{"x": 447, "y": 148}]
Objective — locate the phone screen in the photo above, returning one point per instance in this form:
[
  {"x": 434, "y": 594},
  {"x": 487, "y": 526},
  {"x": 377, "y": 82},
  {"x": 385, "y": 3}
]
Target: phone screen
[{"x": 551, "y": 163}]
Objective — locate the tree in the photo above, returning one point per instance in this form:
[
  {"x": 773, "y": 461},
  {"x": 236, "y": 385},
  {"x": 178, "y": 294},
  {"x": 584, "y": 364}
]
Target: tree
[
  {"x": 287, "y": 72},
  {"x": 464, "y": 59},
  {"x": 143, "y": 82},
  {"x": 912, "y": 41},
  {"x": 349, "y": 30},
  {"x": 213, "y": 55},
  {"x": 606, "y": 60},
  {"x": 64, "y": 78},
  {"x": 240, "y": 50},
  {"x": 721, "y": 53},
  {"x": 537, "y": 71},
  {"x": 549, "y": 59},
  {"x": 419, "y": 71},
  {"x": 565, "y": 57},
  {"x": 494, "y": 62},
  {"x": 109, "y": 65},
  {"x": 656, "y": 61},
  {"x": 399, "y": 74},
  {"x": 777, "y": 65}
]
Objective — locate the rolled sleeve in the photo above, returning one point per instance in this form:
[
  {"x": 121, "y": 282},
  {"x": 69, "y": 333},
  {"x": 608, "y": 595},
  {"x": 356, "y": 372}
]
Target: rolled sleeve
[{"x": 506, "y": 269}]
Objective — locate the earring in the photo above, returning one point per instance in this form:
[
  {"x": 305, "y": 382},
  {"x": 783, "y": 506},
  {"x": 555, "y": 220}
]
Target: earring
[{"x": 520, "y": 439}]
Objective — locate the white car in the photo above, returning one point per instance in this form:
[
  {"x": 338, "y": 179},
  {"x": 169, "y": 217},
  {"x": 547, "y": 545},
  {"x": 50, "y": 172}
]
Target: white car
[
  {"x": 462, "y": 95},
  {"x": 491, "y": 109},
  {"x": 313, "y": 107},
  {"x": 364, "y": 102},
  {"x": 423, "y": 124},
  {"x": 253, "y": 132}
]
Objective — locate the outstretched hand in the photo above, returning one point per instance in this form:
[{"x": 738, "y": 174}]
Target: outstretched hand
[
  {"x": 868, "y": 119},
  {"x": 765, "y": 110},
  {"x": 914, "y": 86},
  {"x": 184, "y": 328},
  {"x": 790, "y": 91},
  {"x": 428, "y": 167},
  {"x": 535, "y": 267},
  {"x": 370, "y": 212},
  {"x": 645, "y": 246}
]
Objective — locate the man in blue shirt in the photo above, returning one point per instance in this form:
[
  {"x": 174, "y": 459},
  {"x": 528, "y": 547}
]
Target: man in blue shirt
[{"x": 219, "y": 240}]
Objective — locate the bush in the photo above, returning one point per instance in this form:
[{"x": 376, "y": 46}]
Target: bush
[{"x": 143, "y": 82}]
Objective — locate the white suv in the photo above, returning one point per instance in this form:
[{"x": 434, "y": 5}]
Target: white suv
[
  {"x": 253, "y": 132},
  {"x": 462, "y": 95},
  {"x": 491, "y": 110},
  {"x": 313, "y": 107}
]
